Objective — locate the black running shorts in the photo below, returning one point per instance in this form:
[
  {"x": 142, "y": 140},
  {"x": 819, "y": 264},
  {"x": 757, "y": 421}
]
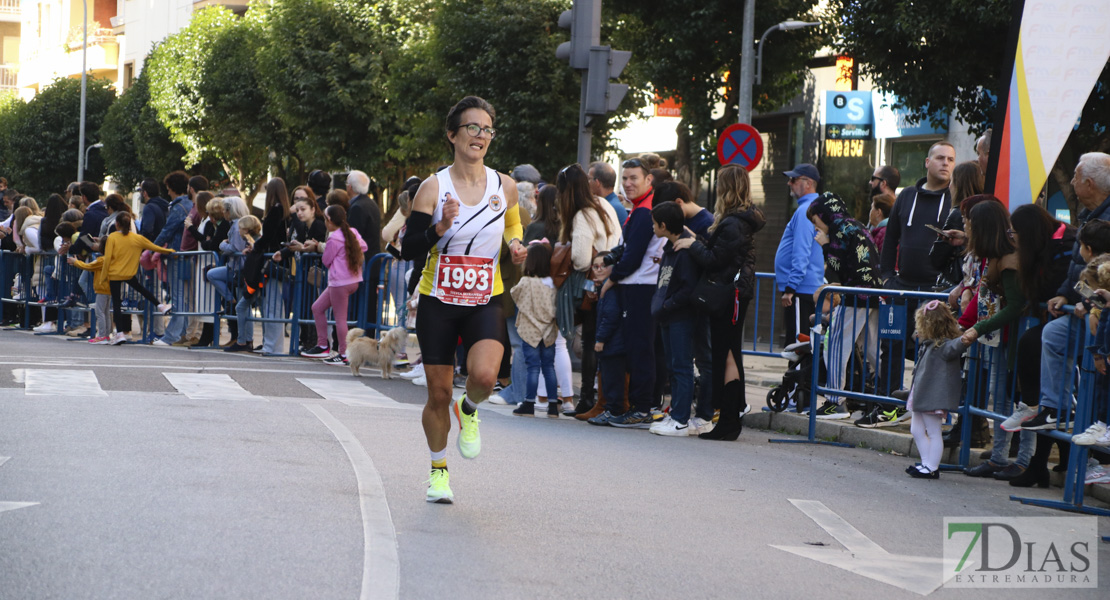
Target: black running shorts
[{"x": 439, "y": 327}]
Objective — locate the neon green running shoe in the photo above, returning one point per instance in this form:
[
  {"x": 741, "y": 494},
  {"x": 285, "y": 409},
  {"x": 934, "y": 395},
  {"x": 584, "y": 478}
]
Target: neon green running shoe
[
  {"x": 438, "y": 490},
  {"x": 470, "y": 441}
]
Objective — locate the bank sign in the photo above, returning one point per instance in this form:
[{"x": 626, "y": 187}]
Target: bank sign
[{"x": 849, "y": 116}]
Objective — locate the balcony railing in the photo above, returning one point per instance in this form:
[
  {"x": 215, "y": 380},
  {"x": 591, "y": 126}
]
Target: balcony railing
[
  {"x": 7, "y": 78},
  {"x": 9, "y": 7}
]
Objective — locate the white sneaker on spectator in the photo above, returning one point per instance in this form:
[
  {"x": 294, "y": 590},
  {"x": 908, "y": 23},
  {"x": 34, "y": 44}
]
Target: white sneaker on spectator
[
  {"x": 1021, "y": 414},
  {"x": 671, "y": 428},
  {"x": 1091, "y": 436},
  {"x": 497, "y": 399},
  {"x": 45, "y": 327},
  {"x": 160, "y": 342},
  {"x": 165, "y": 308},
  {"x": 421, "y": 381},
  {"x": 567, "y": 408},
  {"x": 699, "y": 426},
  {"x": 416, "y": 372},
  {"x": 1104, "y": 439},
  {"x": 118, "y": 338}
]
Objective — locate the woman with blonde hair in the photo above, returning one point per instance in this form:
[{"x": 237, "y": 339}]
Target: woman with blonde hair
[{"x": 727, "y": 260}]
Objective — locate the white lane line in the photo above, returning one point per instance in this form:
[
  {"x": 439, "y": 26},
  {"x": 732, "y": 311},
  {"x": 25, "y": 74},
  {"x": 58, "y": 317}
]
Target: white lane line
[
  {"x": 6, "y": 506},
  {"x": 4, "y": 459},
  {"x": 60, "y": 382},
  {"x": 209, "y": 386},
  {"x": 326, "y": 371},
  {"x": 837, "y": 527},
  {"x": 353, "y": 393},
  {"x": 381, "y": 567}
]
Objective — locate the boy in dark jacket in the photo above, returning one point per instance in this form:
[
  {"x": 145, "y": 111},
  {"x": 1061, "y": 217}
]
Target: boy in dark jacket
[
  {"x": 611, "y": 358},
  {"x": 670, "y": 307}
]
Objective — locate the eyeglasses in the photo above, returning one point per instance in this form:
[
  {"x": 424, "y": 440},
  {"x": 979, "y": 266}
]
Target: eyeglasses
[
  {"x": 792, "y": 180},
  {"x": 476, "y": 130},
  {"x": 874, "y": 178},
  {"x": 632, "y": 163}
]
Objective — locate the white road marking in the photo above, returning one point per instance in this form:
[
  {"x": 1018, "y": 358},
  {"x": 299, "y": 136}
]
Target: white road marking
[
  {"x": 209, "y": 386},
  {"x": 6, "y": 506},
  {"x": 918, "y": 574},
  {"x": 381, "y": 567},
  {"x": 353, "y": 393},
  {"x": 193, "y": 367},
  {"x": 59, "y": 382}
]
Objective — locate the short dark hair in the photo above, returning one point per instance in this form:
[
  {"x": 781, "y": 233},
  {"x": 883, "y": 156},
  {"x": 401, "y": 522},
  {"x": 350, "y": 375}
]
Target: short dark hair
[
  {"x": 1096, "y": 235},
  {"x": 454, "y": 116},
  {"x": 604, "y": 174},
  {"x": 669, "y": 215},
  {"x": 538, "y": 263},
  {"x": 177, "y": 183},
  {"x": 890, "y": 175},
  {"x": 659, "y": 175},
  {"x": 672, "y": 191},
  {"x": 90, "y": 191},
  {"x": 199, "y": 183},
  {"x": 150, "y": 187}
]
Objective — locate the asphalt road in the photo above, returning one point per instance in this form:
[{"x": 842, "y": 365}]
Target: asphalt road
[{"x": 171, "y": 473}]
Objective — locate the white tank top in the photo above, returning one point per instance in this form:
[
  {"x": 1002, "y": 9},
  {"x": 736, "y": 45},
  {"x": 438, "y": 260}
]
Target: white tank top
[{"x": 462, "y": 268}]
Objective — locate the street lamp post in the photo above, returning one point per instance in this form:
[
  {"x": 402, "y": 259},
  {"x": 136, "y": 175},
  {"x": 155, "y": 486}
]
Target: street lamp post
[
  {"x": 81, "y": 153},
  {"x": 97, "y": 145},
  {"x": 746, "y": 77}
]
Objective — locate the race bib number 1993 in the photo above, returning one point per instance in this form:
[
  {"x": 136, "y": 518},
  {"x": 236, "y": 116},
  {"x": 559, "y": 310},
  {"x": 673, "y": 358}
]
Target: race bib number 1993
[{"x": 464, "y": 280}]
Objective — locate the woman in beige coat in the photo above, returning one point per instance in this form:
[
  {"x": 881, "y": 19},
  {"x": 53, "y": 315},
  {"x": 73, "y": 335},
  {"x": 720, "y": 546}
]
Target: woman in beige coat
[{"x": 590, "y": 225}]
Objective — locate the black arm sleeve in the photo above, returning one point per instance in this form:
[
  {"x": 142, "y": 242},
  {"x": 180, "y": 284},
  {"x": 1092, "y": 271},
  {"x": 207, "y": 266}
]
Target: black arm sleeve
[{"x": 420, "y": 236}]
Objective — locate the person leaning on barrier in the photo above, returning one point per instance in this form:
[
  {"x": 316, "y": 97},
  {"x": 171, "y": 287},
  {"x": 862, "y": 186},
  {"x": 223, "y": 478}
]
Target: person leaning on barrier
[
  {"x": 224, "y": 278},
  {"x": 1091, "y": 183},
  {"x": 852, "y": 260},
  {"x": 155, "y": 208},
  {"x": 799, "y": 264},
  {"x": 177, "y": 183},
  {"x": 1000, "y": 304}
]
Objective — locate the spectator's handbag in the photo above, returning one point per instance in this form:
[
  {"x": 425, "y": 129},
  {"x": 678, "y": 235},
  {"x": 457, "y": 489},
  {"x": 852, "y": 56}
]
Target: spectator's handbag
[
  {"x": 317, "y": 277},
  {"x": 560, "y": 263},
  {"x": 711, "y": 296}
]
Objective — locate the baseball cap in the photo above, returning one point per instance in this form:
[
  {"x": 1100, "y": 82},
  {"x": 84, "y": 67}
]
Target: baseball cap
[{"x": 804, "y": 170}]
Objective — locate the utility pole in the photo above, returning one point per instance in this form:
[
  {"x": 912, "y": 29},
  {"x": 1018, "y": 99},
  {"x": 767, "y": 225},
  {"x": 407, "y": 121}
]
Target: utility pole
[
  {"x": 747, "y": 76},
  {"x": 84, "y": 85}
]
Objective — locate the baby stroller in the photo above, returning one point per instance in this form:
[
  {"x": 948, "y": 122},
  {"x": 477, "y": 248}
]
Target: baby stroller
[{"x": 793, "y": 392}]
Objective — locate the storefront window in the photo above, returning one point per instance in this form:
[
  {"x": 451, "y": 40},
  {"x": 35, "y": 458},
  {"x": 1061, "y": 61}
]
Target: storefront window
[
  {"x": 909, "y": 157},
  {"x": 845, "y": 169}
]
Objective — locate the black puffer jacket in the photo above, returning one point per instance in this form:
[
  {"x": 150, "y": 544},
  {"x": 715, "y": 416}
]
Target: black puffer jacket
[{"x": 729, "y": 253}]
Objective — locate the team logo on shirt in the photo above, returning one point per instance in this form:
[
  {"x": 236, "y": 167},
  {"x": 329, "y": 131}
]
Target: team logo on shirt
[{"x": 495, "y": 202}]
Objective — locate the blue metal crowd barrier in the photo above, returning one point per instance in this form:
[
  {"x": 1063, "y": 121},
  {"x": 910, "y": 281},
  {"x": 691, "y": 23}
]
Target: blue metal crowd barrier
[
  {"x": 984, "y": 363},
  {"x": 40, "y": 280}
]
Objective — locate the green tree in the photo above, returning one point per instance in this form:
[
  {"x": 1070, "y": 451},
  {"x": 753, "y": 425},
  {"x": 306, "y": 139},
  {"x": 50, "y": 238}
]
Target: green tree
[
  {"x": 949, "y": 56},
  {"x": 11, "y": 113},
  {"x": 204, "y": 88},
  {"x": 322, "y": 66},
  {"x": 136, "y": 144},
  {"x": 503, "y": 51},
  {"x": 41, "y": 146},
  {"x": 698, "y": 63}
]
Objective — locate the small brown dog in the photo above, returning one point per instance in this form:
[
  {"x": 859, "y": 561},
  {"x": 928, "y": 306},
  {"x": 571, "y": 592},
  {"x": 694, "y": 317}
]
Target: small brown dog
[{"x": 381, "y": 353}]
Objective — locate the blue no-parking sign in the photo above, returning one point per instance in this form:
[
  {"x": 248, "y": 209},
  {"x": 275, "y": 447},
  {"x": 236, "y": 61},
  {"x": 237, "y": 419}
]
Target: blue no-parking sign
[{"x": 740, "y": 144}]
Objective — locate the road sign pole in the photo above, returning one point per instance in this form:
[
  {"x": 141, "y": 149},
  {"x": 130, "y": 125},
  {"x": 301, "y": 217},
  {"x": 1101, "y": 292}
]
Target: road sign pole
[{"x": 585, "y": 132}]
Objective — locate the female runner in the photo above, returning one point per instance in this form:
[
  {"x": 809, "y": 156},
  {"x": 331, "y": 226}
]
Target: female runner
[{"x": 459, "y": 217}]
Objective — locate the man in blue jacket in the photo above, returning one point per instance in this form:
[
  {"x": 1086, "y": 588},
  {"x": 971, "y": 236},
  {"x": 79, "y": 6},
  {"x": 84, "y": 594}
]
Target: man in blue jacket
[
  {"x": 154, "y": 210},
  {"x": 799, "y": 263}
]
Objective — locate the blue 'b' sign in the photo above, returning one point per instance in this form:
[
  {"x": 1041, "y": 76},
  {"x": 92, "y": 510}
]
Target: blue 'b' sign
[{"x": 892, "y": 322}]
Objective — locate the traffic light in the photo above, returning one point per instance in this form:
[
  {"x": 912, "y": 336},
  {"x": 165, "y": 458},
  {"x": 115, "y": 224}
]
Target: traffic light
[
  {"x": 603, "y": 97},
  {"x": 584, "y": 22}
]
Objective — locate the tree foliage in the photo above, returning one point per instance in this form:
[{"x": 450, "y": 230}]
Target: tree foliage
[
  {"x": 699, "y": 64},
  {"x": 937, "y": 57},
  {"x": 322, "y": 64},
  {"x": 41, "y": 142},
  {"x": 136, "y": 144},
  {"x": 204, "y": 88},
  {"x": 503, "y": 51}
]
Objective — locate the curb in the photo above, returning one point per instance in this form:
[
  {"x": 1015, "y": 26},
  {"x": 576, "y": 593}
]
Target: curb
[{"x": 882, "y": 440}]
